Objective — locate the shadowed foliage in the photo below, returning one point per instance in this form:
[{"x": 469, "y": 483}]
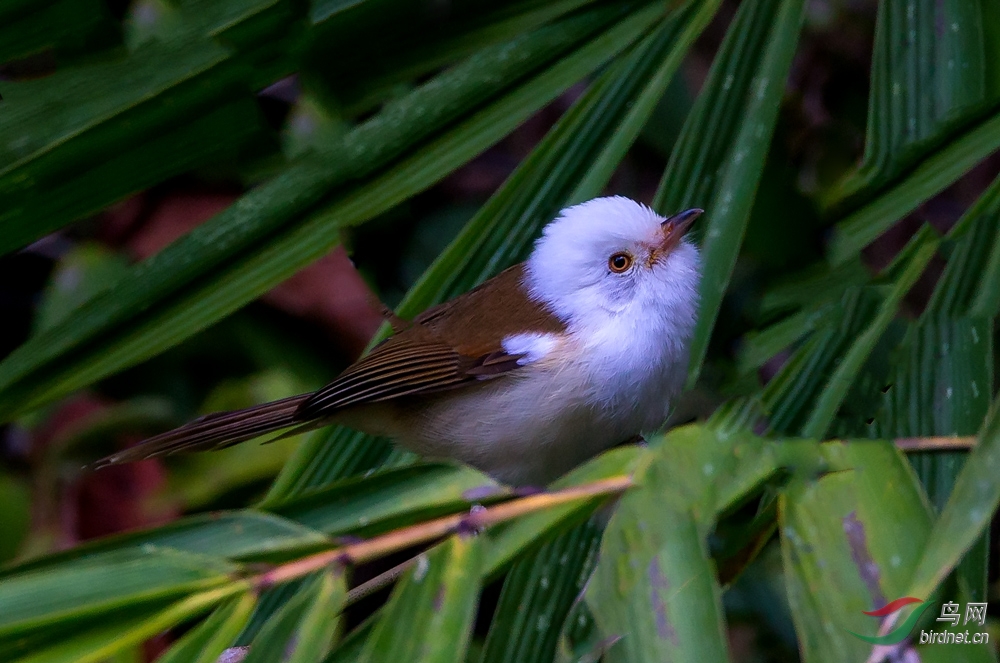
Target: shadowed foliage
[{"x": 839, "y": 444}]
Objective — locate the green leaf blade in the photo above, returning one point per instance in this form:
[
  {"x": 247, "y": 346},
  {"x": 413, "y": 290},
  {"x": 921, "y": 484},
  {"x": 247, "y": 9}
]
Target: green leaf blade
[
  {"x": 147, "y": 291},
  {"x": 429, "y": 615},
  {"x": 208, "y": 640},
  {"x": 850, "y": 541},
  {"x": 91, "y": 586},
  {"x": 720, "y": 153},
  {"x": 302, "y": 630}
]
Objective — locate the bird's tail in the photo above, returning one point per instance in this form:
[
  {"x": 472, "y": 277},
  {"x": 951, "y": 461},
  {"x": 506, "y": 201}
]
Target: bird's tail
[{"x": 215, "y": 431}]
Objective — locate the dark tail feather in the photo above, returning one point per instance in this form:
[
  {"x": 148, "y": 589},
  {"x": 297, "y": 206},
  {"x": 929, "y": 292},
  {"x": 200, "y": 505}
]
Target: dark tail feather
[{"x": 215, "y": 431}]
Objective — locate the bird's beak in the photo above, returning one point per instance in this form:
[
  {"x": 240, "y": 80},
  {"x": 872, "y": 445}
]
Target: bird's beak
[{"x": 675, "y": 226}]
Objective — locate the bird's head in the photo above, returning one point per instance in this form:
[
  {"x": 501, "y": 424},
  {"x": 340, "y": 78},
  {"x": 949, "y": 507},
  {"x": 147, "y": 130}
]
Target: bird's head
[{"x": 610, "y": 258}]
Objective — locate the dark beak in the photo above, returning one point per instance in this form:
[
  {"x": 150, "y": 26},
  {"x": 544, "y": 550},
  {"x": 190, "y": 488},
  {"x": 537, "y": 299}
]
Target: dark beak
[{"x": 675, "y": 227}]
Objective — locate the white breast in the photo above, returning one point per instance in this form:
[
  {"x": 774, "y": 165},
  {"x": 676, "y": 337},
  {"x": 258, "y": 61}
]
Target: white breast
[
  {"x": 570, "y": 403},
  {"x": 612, "y": 375}
]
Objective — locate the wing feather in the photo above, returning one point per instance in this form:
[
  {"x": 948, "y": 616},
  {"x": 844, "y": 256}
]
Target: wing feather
[
  {"x": 448, "y": 346},
  {"x": 403, "y": 365}
]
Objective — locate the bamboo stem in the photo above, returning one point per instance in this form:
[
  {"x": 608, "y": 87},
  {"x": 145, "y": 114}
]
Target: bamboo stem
[
  {"x": 405, "y": 537},
  {"x": 485, "y": 517},
  {"x": 911, "y": 444}
]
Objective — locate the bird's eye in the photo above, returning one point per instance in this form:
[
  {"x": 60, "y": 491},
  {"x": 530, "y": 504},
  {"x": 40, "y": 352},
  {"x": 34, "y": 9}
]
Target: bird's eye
[{"x": 619, "y": 262}]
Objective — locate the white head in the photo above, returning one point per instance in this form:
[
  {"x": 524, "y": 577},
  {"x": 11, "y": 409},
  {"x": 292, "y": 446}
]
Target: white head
[{"x": 613, "y": 261}]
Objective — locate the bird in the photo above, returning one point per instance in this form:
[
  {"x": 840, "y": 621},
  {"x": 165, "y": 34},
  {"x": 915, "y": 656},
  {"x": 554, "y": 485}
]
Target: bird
[{"x": 582, "y": 347}]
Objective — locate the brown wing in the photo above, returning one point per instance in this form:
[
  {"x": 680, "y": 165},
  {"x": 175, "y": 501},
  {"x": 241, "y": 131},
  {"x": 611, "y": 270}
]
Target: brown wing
[
  {"x": 446, "y": 347},
  {"x": 400, "y": 366},
  {"x": 476, "y": 322}
]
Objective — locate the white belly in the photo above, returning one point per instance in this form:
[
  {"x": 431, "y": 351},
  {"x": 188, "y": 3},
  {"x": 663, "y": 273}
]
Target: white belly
[
  {"x": 527, "y": 428},
  {"x": 522, "y": 430}
]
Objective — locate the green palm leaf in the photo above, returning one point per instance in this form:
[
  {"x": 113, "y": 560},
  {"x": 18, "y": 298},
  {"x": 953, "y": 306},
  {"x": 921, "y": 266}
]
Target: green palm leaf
[{"x": 408, "y": 96}]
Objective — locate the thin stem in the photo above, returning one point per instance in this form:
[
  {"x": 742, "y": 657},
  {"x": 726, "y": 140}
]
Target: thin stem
[
  {"x": 469, "y": 521},
  {"x": 400, "y": 539},
  {"x": 383, "y": 579},
  {"x": 911, "y": 444}
]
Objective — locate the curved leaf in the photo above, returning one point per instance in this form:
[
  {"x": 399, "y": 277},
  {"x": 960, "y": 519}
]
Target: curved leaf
[
  {"x": 850, "y": 541},
  {"x": 931, "y": 176},
  {"x": 933, "y": 70},
  {"x": 654, "y": 591}
]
